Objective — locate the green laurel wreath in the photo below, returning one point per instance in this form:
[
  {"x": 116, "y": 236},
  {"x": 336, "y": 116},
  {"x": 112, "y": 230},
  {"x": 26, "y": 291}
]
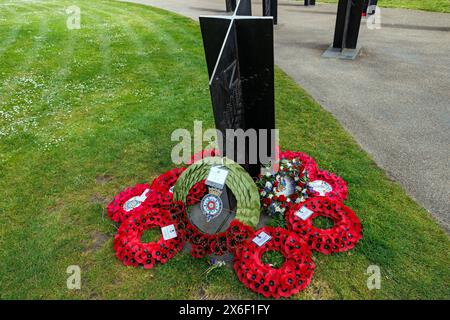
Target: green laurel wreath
[{"x": 238, "y": 180}]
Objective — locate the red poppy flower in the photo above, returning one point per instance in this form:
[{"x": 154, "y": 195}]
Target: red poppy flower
[
  {"x": 237, "y": 233},
  {"x": 148, "y": 263},
  {"x": 198, "y": 251}
]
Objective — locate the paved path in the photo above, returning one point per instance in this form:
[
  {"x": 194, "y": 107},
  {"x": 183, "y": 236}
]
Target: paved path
[{"x": 394, "y": 99}]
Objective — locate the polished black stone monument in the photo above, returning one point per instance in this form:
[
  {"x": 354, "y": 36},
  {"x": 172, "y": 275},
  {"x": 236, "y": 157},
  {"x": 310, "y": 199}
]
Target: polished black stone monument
[
  {"x": 240, "y": 60},
  {"x": 348, "y": 21},
  {"x": 270, "y": 9},
  {"x": 310, "y": 3}
]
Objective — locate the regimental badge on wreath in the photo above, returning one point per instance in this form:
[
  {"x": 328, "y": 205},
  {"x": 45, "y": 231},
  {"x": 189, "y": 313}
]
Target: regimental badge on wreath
[{"x": 211, "y": 204}]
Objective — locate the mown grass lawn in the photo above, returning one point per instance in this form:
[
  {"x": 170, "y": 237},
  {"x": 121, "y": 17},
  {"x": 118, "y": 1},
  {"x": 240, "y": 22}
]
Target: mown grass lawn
[
  {"x": 428, "y": 5},
  {"x": 85, "y": 113}
]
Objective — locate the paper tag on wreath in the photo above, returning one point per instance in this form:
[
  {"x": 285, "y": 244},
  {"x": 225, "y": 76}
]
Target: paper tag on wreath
[
  {"x": 169, "y": 232},
  {"x": 135, "y": 201},
  {"x": 304, "y": 213},
  {"x": 320, "y": 186},
  {"x": 217, "y": 177},
  {"x": 261, "y": 238}
]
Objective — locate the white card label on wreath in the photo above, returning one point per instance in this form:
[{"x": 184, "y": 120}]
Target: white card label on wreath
[
  {"x": 169, "y": 232},
  {"x": 321, "y": 187},
  {"x": 135, "y": 201},
  {"x": 217, "y": 177},
  {"x": 304, "y": 213},
  {"x": 171, "y": 189},
  {"x": 261, "y": 238}
]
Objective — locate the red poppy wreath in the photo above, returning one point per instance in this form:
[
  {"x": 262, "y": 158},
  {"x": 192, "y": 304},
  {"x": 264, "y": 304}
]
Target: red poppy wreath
[
  {"x": 218, "y": 244},
  {"x": 204, "y": 244},
  {"x": 132, "y": 200},
  {"x": 342, "y": 236},
  {"x": 133, "y": 252},
  {"x": 294, "y": 274},
  {"x": 324, "y": 183}
]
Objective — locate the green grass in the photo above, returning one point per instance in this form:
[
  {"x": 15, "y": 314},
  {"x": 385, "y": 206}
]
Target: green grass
[
  {"x": 85, "y": 113},
  {"x": 274, "y": 258},
  {"x": 428, "y": 5},
  {"x": 323, "y": 223}
]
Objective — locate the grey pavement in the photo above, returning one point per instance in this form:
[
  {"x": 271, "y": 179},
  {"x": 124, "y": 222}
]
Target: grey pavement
[{"x": 394, "y": 98}]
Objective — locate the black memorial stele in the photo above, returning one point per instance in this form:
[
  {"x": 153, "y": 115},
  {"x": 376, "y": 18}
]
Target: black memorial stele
[
  {"x": 348, "y": 22},
  {"x": 240, "y": 60}
]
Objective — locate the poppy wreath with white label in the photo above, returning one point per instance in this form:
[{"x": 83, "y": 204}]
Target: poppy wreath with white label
[
  {"x": 133, "y": 252},
  {"x": 202, "y": 243},
  {"x": 294, "y": 274},
  {"x": 205, "y": 244},
  {"x": 324, "y": 183},
  {"x": 137, "y": 199},
  {"x": 342, "y": 236}
]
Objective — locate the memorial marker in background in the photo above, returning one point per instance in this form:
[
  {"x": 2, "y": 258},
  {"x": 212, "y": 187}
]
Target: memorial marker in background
[
  {"x": 370, "y": 7},
  {"x": 270, "y": 9},
  {"x": 230, "y": 5},
  {"x": 348, "y": 21}
]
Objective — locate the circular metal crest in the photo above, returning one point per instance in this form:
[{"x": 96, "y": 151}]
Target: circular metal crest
[{"x": 211, "y": 206}]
